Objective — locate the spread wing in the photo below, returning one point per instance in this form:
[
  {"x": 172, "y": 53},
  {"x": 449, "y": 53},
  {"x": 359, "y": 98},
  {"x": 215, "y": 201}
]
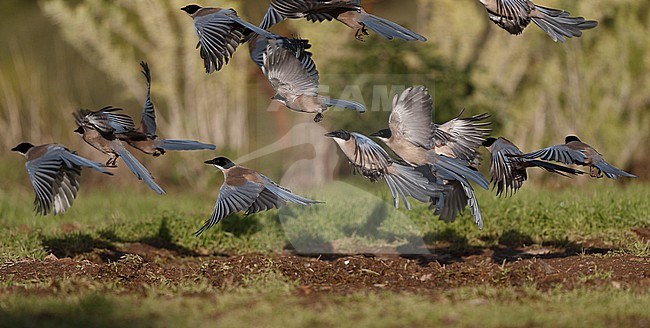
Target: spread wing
[
  {"x": 297, "y": 46},
  {"x": 219, "y": 36},
  {"x": 148, "y": 121},
  {"x": 285, "y": 71},
  {"x": 411, "y": 116},
  {"x": 502, "y": 171},
  {"x": 55, "y": 178},
  {"x": 513, "y": 9},
  {"x": 558, "y": 153},
  {"x": 274, "y": 196},
  {"x": 313, "y": 10},
  {"x": 271, "y": 18},
  {"x": 462, "y": 135},
  {"x": 372, "y": 160},
  {"x": 54, "y": 185},
  {"x": 105, "y": 120},
  {"x": 231, "y": 200}
]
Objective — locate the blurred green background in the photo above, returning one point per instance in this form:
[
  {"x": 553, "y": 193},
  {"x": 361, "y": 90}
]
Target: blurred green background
[{"x": 62, "y": 55}]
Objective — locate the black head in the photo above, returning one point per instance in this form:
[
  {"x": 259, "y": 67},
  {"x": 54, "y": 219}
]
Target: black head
[
  {"x": 79, "y": 130},
  {"x": 23, "y": 147},
  {"x": 383, "y": 133},
  {"x": 221, "y": 162},
  {"x": 571, "y": 138},
  {"x": 489, "y": 141},
  {"x": 340, "y": 134},
  {"x": 191, "y": 9}
]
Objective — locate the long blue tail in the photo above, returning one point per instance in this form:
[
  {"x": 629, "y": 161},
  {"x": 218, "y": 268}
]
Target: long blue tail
[
  {"x": 170, "y": 144},
  {"x": 137, "y": 168},
  {"x": 347, "y": 104},
  {"x": 559, "y": 25},
  {"x": 613, "y": 172}
]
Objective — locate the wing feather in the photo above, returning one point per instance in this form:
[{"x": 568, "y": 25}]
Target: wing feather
[{"x": 411, "y": 116}]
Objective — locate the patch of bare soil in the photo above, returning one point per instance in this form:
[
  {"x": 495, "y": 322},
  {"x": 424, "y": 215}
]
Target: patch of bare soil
[{"x": 134, "y": 267}]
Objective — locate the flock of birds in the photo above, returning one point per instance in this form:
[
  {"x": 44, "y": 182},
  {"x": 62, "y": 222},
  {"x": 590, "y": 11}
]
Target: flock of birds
[{"x": 435, "y": 163}]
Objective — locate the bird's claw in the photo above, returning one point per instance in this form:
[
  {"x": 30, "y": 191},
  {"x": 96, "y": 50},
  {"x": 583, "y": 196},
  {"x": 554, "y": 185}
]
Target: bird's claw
[
  {"x": 361, "y": 33},
  {"x": 318, "y": 118}
]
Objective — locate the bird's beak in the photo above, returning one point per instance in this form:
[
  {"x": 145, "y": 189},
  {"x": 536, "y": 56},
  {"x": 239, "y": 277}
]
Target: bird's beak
[
  {"x": 209, "y": 162},
  {"x": 79, "y": 130},
  {"x": 376, "y": 134},
  {"x": 14, "y": 149},
  {"x": 332, "y": 134}
]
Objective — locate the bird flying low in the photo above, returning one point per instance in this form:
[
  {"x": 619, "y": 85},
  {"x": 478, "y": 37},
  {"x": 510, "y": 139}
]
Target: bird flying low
[
  {"x": 508, "y": 173},
  {"x": 100, "y": 128},
  {"x": 574, "y": 151},
  {"x": 348, "y": 12},
  {"x": 294, "y": 77},
  {"x": 373, "y": 162},
  {"x": 144, "y": 137},
  {"x": 514, "y": 15},
  {"x": 54, "y": 172},
  {"x": 220, "y": 31},
  {"x": 246, "y": 190},
  {"x": 410, "y": 135}
]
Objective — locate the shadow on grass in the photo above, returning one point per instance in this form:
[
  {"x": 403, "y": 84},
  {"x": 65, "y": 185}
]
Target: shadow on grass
[
  {"x": 89, "y": 311},
  {"x": 106, "y": 245},
  {"x": 239, "y": 225},
  {"x": 511, "y": 245}
]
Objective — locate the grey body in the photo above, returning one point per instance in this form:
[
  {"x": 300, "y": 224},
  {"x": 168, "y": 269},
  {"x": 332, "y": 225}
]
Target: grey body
[
  {"x": 246, "y": 190},
  {"x": 461, "y": 137},
  {"x": 294, "y": 78},
  {"x": 515, "y": 15},
  {"x": 374, "y": 163},
  {"x": 348, "y": 12},
  {"x": 508, "y": 172},
  {"x": 574, "y": 151},
  {"x": 54, "y": 172}
]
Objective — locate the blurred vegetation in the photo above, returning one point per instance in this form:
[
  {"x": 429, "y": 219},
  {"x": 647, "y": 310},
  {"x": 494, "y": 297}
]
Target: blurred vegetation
[
  {"x": 85, "y": 53},
  {"x": 86, "y": 304}
]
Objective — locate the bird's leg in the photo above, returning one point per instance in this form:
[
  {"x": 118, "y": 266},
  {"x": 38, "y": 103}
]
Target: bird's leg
[
  {"x": 111, "y": 162},
  {"x": 361, "y": 33},
  {"x": 318, "y": 118},
  {"x": 594, "y": 172}
]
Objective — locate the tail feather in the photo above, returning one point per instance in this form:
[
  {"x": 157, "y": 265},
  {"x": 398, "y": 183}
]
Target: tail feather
[
  {"x": 388, "y": 29},
  {"x": 408, "y": 181},
  {"x": 138, "y": 169},
  {"x": 256, "y": 30},
  {"x": 613, "y": 172},
  {"x": 454, "y": 169},
  {"x": 347, "y": 104},
  {"x": 170, "y": 144},
  {"x": 551, "y": 167},
  {"x": 473, "y": 206},
  {"x": 559, "y": 25},
  {"x": 290, "y": 197},
  {"x": 271, "y": 18}
]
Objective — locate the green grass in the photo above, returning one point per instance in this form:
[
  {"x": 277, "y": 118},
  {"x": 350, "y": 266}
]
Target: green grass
[
  {"x": 356, "y": 218},
  {"x": 352, "y": 220},
  {"x": 246, "y": 307}
]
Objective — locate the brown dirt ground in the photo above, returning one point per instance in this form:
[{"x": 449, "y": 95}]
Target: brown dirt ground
[{"x": 135, "y": 266}]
